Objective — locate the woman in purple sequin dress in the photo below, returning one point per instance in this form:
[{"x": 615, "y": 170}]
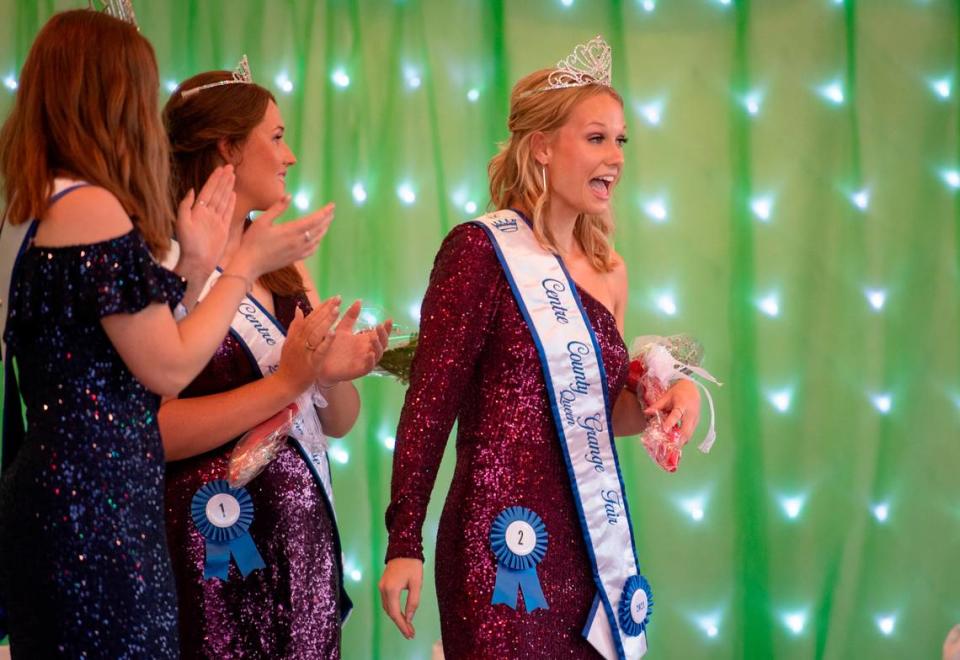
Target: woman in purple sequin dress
[
  {"x": 291, "y": 608},
  {"x": 477, "y": 363},
  {"x": 84, "y": 568}
]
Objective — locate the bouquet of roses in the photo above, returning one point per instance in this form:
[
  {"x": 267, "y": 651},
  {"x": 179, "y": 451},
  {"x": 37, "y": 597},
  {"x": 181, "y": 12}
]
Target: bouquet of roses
[
  {"x": 259, "y": 446},
  {"x": 655, "y": 364}
]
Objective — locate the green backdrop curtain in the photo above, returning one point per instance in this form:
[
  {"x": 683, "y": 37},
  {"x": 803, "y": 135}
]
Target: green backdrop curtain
[{"x": 790, "y": 198}]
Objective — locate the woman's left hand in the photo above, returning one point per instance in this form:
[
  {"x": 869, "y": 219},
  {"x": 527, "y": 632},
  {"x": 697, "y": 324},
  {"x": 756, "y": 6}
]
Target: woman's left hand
[
  {"x": 352, "y": 355},
  {"x": 203, "y": 222},
  {"x": 682, "y": 402}
]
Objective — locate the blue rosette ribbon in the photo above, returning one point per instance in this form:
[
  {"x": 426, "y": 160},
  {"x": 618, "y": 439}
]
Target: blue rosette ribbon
[
  {"x": 518, "y": 539},
  {"x": 636, "y": 603},
  {"x": 223, "y": 515}
]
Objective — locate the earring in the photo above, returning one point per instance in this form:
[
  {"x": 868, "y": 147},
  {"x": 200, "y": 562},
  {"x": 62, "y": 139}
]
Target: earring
[{"x": 543, "y": 171}]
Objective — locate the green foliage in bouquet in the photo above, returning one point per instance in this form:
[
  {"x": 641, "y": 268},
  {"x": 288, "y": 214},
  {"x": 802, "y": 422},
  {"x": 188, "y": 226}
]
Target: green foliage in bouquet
[{"x": 397, "y": 358}]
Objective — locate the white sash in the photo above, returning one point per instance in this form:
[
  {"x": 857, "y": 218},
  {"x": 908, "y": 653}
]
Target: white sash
[
  {"x": 577, "y": 386},
  {"x": 262, "y": 337}
]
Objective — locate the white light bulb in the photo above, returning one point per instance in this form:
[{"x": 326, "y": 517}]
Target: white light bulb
[
  {"x": 339, "y": 454},
  {"x": 762, "y": 207},
  {"x": 413, "y": 78},
  {"x": 833, "y": 92},
  {"x": 886, "y": 623},
  {"x": 566, "y": 3},
  {"x": 781, "y": 400},
  {"x": 284, "y": 82},
  {"x": 406, "y": 194},
  {"x": 861, "y": 199},
  {"x": 10, "y": 83},
  {"x": 709, "y": 625},
  {"x": 340, "y": 78},
  {"x": 876, "y": 298},
  {"x": 356, "y": 575},
  {"x": 648, "y": 5},
  {"x": 694, "y": 507},
  {"x": 470, "y": 207},
  {"x": 725, "y": 3},
  {"x": 951, "y": 178},
  {"x": 414, "y": 310},
  {"x": 390, "y": 442},
  {"x": 368, "y": 317},
  {"x": 302, "y": 201},
  {"x": 882, "y": 402},
  {"x": 942, "y": 87},
  {"x": 795, "y": 622},
  {"x": 651, "y": 112},
  {"x": 752, "y": 104},
  {"x": 359, "y": 193},
  {"x": 769, "y": 305},
  {"x": 171, "y": 86},
  {"x": 792, "y": 506},
  {"x": 881, "y": 511},
  {"x": 656, "y": 209},
  {"x": 666, "y": 304},
  {"x": 473, "y": 95}
]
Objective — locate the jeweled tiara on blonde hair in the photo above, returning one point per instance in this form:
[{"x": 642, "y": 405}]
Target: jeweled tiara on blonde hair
[
  {"x": 240, "y": 76},
  {"x": 588, "y": 64}
]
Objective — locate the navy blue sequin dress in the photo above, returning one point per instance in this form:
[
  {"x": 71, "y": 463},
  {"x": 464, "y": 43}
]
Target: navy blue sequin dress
[{"x": 84, "y": 569}]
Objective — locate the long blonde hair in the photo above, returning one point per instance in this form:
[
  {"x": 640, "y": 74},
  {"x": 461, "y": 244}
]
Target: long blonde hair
[{"x": 516, "y": 177}]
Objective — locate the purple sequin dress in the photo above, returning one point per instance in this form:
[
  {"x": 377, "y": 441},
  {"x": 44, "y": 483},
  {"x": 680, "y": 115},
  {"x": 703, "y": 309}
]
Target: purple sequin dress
[
  {"x": 84, "y": 570},
  {"x": 291, "y": 608},
  {"x": 477, "y": 363}
]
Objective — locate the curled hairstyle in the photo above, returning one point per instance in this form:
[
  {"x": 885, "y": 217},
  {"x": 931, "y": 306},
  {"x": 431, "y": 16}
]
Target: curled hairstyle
[
  {"x": 86, "y": 107},
  {"x": 516, "y": 177},
  {"x": 198, "y": 124}
]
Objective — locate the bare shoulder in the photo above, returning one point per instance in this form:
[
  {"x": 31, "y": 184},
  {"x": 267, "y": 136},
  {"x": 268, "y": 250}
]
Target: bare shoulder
[
  {"x": 85, "y": 215},
  {"x": 618, "y": 274}
]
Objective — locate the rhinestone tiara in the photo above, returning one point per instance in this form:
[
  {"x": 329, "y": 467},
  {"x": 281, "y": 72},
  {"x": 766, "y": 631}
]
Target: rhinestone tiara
[
  {"x": 588, "y": 64},
  {"x": 121, "y": 9},
  {"x": 240, "y": 76}
]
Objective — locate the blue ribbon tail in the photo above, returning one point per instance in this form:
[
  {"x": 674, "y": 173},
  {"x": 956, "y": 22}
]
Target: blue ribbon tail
[
  {"x": 533, "y": 596},
  {"x": 505, "y": 588},
  {"x": 246, "y": 554},
  {"x": 217, "y": 564}
]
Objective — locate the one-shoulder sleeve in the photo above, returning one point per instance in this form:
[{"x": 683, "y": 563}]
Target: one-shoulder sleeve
[{"x": 455, "y": 322}]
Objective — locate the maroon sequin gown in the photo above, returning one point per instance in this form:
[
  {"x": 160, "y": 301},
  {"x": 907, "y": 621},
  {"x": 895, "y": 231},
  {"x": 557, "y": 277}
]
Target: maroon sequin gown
[
  {"x": 291, "y": 608},
  {"x": 477, "y": 363}
]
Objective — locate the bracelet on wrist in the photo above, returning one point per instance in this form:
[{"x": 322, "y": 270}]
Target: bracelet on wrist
[{"x": 246, "y": 283}]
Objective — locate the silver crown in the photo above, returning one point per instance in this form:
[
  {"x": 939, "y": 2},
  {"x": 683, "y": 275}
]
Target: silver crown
[
  {"x": 588, "y": 64},
  {"x": 122, "y": 9},
  {"x": 241, "y": 76}
]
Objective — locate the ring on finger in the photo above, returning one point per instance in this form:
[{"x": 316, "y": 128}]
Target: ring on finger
[
  {"x": 306, "y": 235},
  {"x": 309, "y": 346}
]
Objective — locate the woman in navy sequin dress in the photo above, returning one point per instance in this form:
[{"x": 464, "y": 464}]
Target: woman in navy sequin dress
[
  {"x": 84, "y": 570},
  {"x": 291, "y": 608},
  {"x": 477, "y": 363}
]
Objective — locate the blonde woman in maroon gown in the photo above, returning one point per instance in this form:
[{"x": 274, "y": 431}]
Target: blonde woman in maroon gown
[{"x": 477, "y": 363}]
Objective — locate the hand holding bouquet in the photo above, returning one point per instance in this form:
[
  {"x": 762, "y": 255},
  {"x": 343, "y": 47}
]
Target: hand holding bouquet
[{"x": 656, "y": 363}]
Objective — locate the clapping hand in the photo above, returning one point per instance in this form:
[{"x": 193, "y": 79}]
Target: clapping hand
[
  {"x": 203, "y": 222},
  {"x": 352, "y": 355}
]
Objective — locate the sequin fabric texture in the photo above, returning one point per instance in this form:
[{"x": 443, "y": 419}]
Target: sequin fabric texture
[
  {"x": 291, "y": 608},
  {"x": 476, "y": 362},
  {"x": 84, "y": 570}
]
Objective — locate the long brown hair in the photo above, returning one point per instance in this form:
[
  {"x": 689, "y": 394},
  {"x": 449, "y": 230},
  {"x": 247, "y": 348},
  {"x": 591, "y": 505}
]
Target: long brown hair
[
  {"x": 196, "y": 124},
  {"x": 516, "y": 177},
  {"x": 86, "y": 106}
]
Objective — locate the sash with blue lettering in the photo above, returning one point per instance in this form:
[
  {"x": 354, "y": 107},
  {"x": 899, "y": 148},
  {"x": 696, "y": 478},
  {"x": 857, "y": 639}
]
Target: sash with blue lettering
[
  {"x": 261, "y": 336},
  {"x": 577, "y": 387}
]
